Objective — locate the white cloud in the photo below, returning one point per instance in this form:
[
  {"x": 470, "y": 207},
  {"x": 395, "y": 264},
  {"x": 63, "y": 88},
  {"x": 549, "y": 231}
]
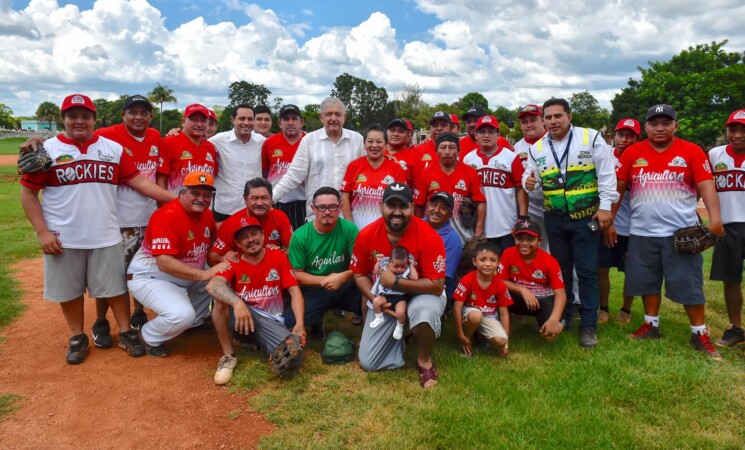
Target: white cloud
[{"x": 512, "y": 52}]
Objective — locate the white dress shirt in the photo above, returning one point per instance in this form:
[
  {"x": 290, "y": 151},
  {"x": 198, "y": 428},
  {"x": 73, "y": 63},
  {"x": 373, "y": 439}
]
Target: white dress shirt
[{"x": 236, "y": 163}]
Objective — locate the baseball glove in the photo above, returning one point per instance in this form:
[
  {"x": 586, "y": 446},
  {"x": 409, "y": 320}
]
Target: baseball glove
[
  {"x": 467, "y": 213},
  {"x": 465, "y": 265},
  {"x": 34, "y": 161},
  {"x": 694, "y": 239},
  {"x": 288, "y": 354}
]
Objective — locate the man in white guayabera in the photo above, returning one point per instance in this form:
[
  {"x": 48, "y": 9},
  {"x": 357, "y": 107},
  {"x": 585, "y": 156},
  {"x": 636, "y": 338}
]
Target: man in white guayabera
[{"x": 319, "y": 253}]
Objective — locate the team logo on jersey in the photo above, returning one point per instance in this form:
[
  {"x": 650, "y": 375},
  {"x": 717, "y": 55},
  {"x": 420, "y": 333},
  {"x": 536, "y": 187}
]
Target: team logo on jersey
[
  {"x": 433, "y": 186},
  {"x": 678, "y": 162},
  {"x": 491, "y": 299},
  {"x": 541, "y": 162},
  {"x": 514, "y": 269},
  {"x": 190, "y": 236},
  {"x": 641, "y": 162},
  {"x": 720, "y": 167},
  {"x": 523, "y": 155},
  {"x": 707, "y": 167},
  {"x": 274, "y": 236},
  {"x": 474, "y": 166},
  {"x": 361, "y": 178},
  {"x": 387, "y": 180},
  {"x": 106, "y": 156},
  {"x": 539, "y": 275},
  {"x": 206, "y": 232},
  {"x": 63, "y": 158},
  {"x": 129, "y": 152},
  {"x": 273, "y": 275},
  {"x": 473, "y": 296},
  {"x": 277, "y": 153},
  {"x": 439, "y": 264},
  {"x": 209, "y": 158},
  {"x": 460, "y": 185},
  {"x": 426, "y": 157},
  {"x": 403, "y": 164},
  {"x": 185, "y": 155},
  {"x": 245, "y": 279}
]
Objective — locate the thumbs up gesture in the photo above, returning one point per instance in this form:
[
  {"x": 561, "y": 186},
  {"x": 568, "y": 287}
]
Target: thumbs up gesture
[{"x": 531, "y": 181}]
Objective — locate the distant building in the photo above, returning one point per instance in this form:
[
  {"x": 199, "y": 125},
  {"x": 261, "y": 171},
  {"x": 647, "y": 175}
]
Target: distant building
[{"x": 36, "y": 125}]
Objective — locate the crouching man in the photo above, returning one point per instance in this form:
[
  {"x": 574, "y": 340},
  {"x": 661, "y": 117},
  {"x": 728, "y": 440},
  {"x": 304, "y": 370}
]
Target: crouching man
[{"x": 253, "y": 287}]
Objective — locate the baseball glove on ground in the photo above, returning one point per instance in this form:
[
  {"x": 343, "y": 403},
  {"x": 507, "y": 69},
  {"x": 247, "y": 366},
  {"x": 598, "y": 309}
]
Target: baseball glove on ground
[
  {"x": 288, "y": 354},
  {"x": 694, "y": 239},
  {"x": 34, "y": 161}
]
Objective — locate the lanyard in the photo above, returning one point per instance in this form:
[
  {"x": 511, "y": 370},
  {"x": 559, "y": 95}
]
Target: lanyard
[{"x": 563, "y": 157}]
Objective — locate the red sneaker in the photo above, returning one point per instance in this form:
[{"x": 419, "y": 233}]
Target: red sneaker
[
  {"x": 646, "y": 331},
  {"x": 702, "y": 343}
]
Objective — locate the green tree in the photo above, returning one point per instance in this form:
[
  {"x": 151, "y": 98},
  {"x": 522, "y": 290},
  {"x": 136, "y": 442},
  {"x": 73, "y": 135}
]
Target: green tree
[
  {"x": 468, "y": 100},
  {"x": 311, "y": 117},
  {"x": 48, "y": 112},
  {"x": 586, "y": 111},
  {"x": 249, "y": 93},
  {"x": 159, "y": 95},
  {"x": 169, "y": 119},
  {"x": 703, "y": 83},
  {"x": 408, "y": 102},
  {"x": 366, "y": 103},
  {"x": 6, "y": 118},
  {"x": 109, "y": 112}
]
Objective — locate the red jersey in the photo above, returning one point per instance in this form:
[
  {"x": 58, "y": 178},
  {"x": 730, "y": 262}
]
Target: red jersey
[
  {"x": 366, "y": 185},
  {"x": 179, "y": 156},
  {"x": 420, "y": 239},
  {"x": 134, "y": 208},
  {"x": 261, "y": 285},
  {"x": 276, "y": 227},
  {"x": 541, "y": 276},
  {"x": 426, "y": 156},
  {"x": 406, "y": 158},
  {"x": 663, "y": 185},
  {"x": 488, "y": 300},
  {"x": 276, "y": 156}
]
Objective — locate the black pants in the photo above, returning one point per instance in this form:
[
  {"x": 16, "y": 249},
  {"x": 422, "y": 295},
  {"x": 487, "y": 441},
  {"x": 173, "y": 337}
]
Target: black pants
[{"x": 541, "y": 314}]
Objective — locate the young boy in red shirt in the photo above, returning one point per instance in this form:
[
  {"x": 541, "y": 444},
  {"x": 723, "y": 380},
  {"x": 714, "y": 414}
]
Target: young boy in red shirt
[
  {"x": 481, "y": 301},
  {"x": 533, "y": 277}
]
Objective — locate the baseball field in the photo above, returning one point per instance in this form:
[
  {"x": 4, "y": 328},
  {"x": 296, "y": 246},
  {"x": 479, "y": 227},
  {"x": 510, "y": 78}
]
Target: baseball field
[{"x": 623, "y": 394}]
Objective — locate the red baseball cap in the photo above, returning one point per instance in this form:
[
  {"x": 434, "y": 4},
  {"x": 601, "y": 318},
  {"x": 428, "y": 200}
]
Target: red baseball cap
[
  {"x": 196, "y": 108},
  {"x": 736, "y": 117},
  {"x": 73, "y": 100},
  {"x": 409, "y": 125},
  {"x": 527, "y": 227},
  {"x": 211, "y": 115},
  {"x": 487, "y": 121},
  {"x": 454, "y": 119},
  {"x": 246, "y": 222},
  {"x": 629, "y": 124},
  {"x": 532, "y": 110}
]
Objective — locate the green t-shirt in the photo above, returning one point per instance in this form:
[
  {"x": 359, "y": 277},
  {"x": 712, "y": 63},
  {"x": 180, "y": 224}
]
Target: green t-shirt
[{"x": 322, "y": 254}]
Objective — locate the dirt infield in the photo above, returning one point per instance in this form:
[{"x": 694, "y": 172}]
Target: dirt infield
[
  {"x": 113, "y": 400},
  {"x": 8, "y": 160}
]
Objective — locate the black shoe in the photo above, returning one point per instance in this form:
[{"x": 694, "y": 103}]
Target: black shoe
[
  {"x": 77, "y": 349},
  {"x": 102, "y": 334},
  {"x": 156, "y": 351},
  {"x": 130, "y": 341},
  {"x": 139, "y": 318},
  {"x": 732, "y": 335}
]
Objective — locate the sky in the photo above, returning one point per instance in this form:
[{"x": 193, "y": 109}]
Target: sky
[{"x": 513, "y": 52}]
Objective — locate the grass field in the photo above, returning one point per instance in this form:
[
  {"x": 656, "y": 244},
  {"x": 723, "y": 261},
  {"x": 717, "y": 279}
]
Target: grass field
[
  {"x": 9, "y": 146},
  {"x": 623, "y": 394}
]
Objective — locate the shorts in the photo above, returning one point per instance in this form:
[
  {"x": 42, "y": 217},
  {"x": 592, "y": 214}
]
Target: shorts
[
  {"x": 393, "y": 299},
  {"x": 652, "y": 259},
  {"x": 613, "y": 257},
  {"x": 726, "y": 264},
  {"x": 132, "y": 241},
  {"x": 99, "y": 270},
  {"x": 490, "y": 327}
]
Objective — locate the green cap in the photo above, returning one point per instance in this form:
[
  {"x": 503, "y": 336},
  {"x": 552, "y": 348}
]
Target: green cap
[{"x": 337, "y": 349}]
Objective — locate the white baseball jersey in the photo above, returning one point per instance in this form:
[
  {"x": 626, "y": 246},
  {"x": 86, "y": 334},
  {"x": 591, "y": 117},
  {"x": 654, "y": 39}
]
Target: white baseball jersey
[{"x": 729, "y": 176}]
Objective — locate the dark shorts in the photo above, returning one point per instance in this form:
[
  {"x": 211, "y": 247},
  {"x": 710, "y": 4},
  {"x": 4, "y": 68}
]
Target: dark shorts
[
  {"x": 393, "y": 299},
  {"x": 613, "y": 257},
  {"x": 652, "y": 259},
  {"x": 220, "y": 217},
  {"x": 726, "y": 264}
]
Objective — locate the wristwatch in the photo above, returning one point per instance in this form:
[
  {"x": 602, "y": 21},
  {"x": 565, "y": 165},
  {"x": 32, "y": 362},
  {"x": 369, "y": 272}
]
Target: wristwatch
[{"x": 395, "y": 284}]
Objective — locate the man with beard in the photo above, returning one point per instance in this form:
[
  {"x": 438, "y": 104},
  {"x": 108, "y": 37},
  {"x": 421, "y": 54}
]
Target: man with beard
[
  {"x": 323, "y": 155},
  {"x": 277, "y": 152},
  {"x": 257, "y": 195},
  {"x": 320, "y": 252},
  {"x": 378, "y": 349},
  {"x": 167, "y": 274},
  {"x": 439, "y": 213},
  {"x": 457, "y": 179},
  {"x": 252, "y": 289},
  {"x": 238, "y": 159}
]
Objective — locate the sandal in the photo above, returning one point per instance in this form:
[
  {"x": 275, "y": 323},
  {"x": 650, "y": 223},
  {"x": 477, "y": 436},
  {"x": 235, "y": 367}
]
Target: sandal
[{"x": 426, "y": 375}]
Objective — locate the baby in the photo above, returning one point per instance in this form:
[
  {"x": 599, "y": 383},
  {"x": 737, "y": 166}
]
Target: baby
[{"x": 399, "y": 264}]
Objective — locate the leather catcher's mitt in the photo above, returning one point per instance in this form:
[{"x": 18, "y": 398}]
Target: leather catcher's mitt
[
  {"x": 467, "y": 213},
  {"x": 288, "y": 354},
  {"x": 694, "y": 239},
  {"x": 465, "y": 265},
  {"x": 34, "y": 161}
]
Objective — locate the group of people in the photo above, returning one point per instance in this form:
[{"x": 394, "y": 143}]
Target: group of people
[{"x": 262, "y": 234}]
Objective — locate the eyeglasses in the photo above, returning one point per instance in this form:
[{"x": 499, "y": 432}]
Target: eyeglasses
[
  {"x": 324, "y": 208},
  {"x": 487, "y": 130}
]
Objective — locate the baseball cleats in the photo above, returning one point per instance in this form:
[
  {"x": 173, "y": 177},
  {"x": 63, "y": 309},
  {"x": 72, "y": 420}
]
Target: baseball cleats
[
  {"x": 732, "y": 335},
  {"x": 702, "y": 343},
  {"x": 646, "y": 331},
  {"x": 77, "y": 349},
  {"x": 130, "y": 341},
  {"x": 225, "y": 369},
  {"x": 139, "y": 318},
  {"x": 102, "y": 334},
  {"x": 156, "y": 351},
  {"x": 588, "y": 338}
]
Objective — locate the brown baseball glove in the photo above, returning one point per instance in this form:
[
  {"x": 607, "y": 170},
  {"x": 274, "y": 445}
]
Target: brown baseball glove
[
  {"x": 694, "y": 239},
  {"x": 288, "y": 354},
  {"x": 34, "y": 161}
]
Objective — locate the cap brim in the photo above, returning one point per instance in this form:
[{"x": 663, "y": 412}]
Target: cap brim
[
  {"x": 401, "y": 197},
  {"x": 532, "y": 233},
  {"x": 206, "y": 186}
]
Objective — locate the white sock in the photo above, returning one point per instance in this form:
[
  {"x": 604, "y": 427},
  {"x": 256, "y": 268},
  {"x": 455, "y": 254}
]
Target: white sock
[
  {"x": 698, "y": 329},
  {"x": 379, "y": 315},
  {"x": 654, "y": 320}
]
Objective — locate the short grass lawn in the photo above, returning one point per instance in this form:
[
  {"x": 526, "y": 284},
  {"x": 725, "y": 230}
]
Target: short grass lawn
[{"x": 9, "y": 146}]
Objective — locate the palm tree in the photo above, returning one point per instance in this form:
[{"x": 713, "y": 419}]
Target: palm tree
[
  {"x": 161, "y": 94},
  {"x": 47, "y": 112}
]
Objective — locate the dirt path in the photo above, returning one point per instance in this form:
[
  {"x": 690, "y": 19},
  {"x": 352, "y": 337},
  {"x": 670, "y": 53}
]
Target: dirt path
[
  {"x": 8, "y": 160},
  {"x": 112, "y": 400}
]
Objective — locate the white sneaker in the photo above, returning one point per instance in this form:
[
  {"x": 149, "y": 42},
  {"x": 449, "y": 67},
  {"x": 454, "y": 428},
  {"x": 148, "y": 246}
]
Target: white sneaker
[
  {"x": 399, "y": 331},
  {"x": 225, "y": 369},
  {"x": 377, "y": 321}
]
